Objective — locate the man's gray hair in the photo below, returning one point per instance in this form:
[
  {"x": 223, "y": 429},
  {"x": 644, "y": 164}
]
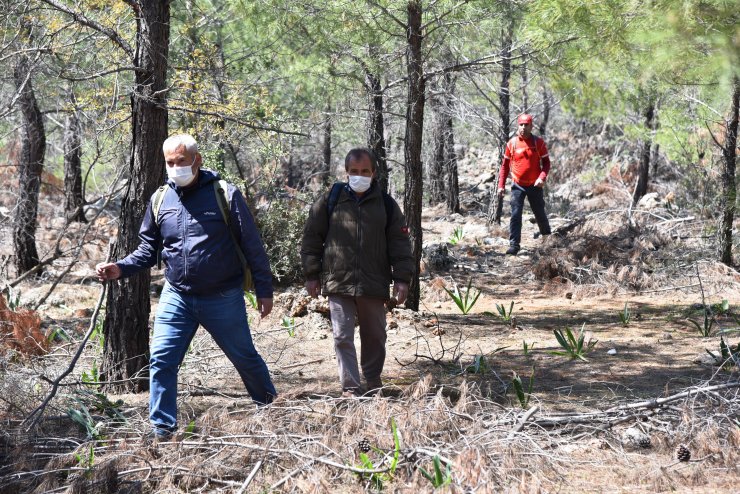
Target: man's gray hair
[{"x": 177, "y": 140}]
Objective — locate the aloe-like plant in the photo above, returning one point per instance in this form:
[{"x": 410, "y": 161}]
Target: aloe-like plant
[
  {"x": 502, "y": 312},
  {"x": 522, "y": 394},
  {"x": 465, "y": 300},
  {"x": 457, "y": 235},
  {"x": 438, "y": 478},
  {"x": 527, "y": 348},
  {"x": 705, "y": 328},
  {"x": 625, "y": 315},
  {"x": 575, "y": 347},
  {"x": 289, "y": 324},
  {"x": 377, "y": 479},
  {"x": 728, "y": 356}
]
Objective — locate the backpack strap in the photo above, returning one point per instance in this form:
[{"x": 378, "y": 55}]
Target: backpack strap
[
  {"x": 219, "y": 187},
  {"x": 157, "y": 202},
  {"x": 336, "y": 190}
]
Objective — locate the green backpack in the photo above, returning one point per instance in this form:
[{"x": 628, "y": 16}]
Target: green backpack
[{"x": 219, "y": 188}]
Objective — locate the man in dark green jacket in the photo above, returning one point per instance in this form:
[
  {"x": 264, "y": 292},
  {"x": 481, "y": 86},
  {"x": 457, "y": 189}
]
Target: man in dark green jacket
[{"x": 357, "y": 246}]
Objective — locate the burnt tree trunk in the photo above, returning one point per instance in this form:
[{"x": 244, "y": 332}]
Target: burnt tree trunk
[
  {"x": 729, "y": 186},
  {"x": 30, "y": 166},
  {"x": 452, "y": 192},
  {"x": 504, "y": 97},
  {"x": 643, "y": 173},
  {"x": 376, "y": 126},
  {"x": 412, "y": 145},
  {"x": 126, "y": 325},
  {"x": 73, "y": 196}
]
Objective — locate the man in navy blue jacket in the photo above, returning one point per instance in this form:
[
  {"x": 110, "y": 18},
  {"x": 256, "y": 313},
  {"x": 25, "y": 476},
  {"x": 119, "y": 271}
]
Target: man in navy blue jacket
[{"x": 203, "y": 278}]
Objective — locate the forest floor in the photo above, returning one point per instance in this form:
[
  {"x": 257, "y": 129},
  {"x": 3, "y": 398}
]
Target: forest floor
[{"x": 448, "y": 375}]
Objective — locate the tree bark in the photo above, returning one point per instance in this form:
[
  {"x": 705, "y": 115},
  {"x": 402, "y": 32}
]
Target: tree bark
[
  {"x": 436, "y": 167},
  {"x": 30, "y": 166},
  {"x": 729, "y": 186},
  {"x": 73, "y": 197},
  {"x": 452, "y": 193},
  {"x": 495, "y": 204},
  {"x": 412, "y": 145},
  {"x": 546, "y": 105},
  {"x": 376, "y": 126},
  {"x": 126, "y": 325},
  {"x": 326, "y": 147},
  {"x": 643, "y": 173}
]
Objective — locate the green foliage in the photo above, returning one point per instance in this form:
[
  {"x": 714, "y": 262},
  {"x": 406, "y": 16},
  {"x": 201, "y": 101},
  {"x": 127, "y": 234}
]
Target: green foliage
[
  {"x": 707, "y": 323},
  {"x": 14, "y": 299},
  {"x": 60, "y": 333},
  {"x": 721, "y": 308},
  {"x": 189, "y": 430},
  {"x": 281, "y": 226},
  {"x": 522, "y": 394},
  {"x": 625, "y": 315},
  {"x": 465, "y": 300},
  {"x": 503, "y": 314},
  {"x": 377, "y": 479},
  {"x": 97, "y": 333},
  {"x": 87, "y": 461},
  {"x": 576, "y": 347},
  {"x": 457, "y": 235},
  {"x": 93, "y": 377},
  {"x": 289, "y": 324},
  {"x": 728, "y": 356},
  {"x": 479, "y": 365},
  {"x": 527, "y": 348},
  {"x": 251, "y": 299},
  {"x": 439, "y": 478}
]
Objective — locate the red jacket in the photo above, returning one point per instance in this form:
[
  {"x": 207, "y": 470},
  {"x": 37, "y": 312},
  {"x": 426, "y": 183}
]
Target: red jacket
[{"x": 528, "y": 160}]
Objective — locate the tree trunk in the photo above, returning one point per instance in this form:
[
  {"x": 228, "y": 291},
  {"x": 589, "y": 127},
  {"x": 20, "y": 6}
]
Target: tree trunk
[
  {"x": 546, "y": 105},
  {"x": 413, "y": 141},
  {"x": 73, "y": 196},
  {"x": 452, "y": 194},
  {"x": 30, "y": 166},
  {"x": 504, "y": 97},
  {"x": 326, "y": 147},
  {"x": 376, "y": 126},
  {"x": 436, "y": 167},
  {"x": 126, "y": 325},
  {"x": 644, "y": 170},
  {"x": 729, "y": 186}
]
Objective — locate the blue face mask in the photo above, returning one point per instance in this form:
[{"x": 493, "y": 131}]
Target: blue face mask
[{"x": 360, "y": 184}]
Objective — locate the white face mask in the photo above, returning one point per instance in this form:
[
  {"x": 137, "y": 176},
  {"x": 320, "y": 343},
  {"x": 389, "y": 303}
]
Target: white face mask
[
  {"x": 181, "y": 175},
  {"x": 360, "y": 184}
]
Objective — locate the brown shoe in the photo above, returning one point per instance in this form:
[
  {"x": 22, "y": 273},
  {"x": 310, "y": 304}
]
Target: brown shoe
[{"x": 351, "y": 393}]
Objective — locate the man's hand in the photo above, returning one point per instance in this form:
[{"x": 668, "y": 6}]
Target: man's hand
[
  {"x": 264, "y": 305},
  {"x": 539, "y": 183},
  {"x": 400, "y": 291},
  {"x": 500, "y": 193},
  {"x": 313, "y": 287},
  {"x": 107, "y": 271}
]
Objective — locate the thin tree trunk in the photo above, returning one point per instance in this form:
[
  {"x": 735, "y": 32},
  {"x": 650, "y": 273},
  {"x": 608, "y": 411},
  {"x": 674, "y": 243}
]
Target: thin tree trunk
[
  {"x": 546, "y": 105},
  {"x": 525, "y": 86},
  {"x": 729, "y": 186},
  {"x": 126, "y": 325},
  {"x": 643, "y": 173},
  {"x": 326, "y": 147},
  {"x": 30, "y": 166},
  {"x": 376, "y": 126},
  {"x": 495, "y": 204},
  {"x": 436, "y": 167},
  {"x": 452, "y": 193},
  {"x": 73, "y": 196},
  {"x": 412, "y": 146}
]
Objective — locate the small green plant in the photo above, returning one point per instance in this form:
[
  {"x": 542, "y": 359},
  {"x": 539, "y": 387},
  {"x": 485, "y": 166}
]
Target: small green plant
[
  {"x": 522, "y": 394},
  {"x": 377, "y": 479},
  {"x": 81, "y": 416},
  {"x": 728, "y": 356},
  {"x": 576, "y": 347},
  {"x": 527, "y": 348},
  {"x": 466, "y": 300},
  {"x": 14, "y": 299},
  {"x": 479, "y": 365},
  {"x": 721, "y": 308},
  {"x": 97, "y": 333},
  {"x": 438, "y": 479},
  {"x": 251, "y": 299},
  {"x": 289, "y": 324},
  {"x": 625, "y": 315},
  {"x": 457, "y": 236},
  {"x": 59, "y": 333},
  {"x": 705, "y": 327},
  {"x": 502, "y": 313},
  {"x": 93, "y": 377},
  {"x": 190, "y": 429},
  {"x": 87, "y": 461}
]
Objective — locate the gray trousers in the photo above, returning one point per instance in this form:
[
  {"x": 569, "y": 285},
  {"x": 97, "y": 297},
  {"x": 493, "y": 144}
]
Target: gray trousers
[{"x": 370, "y": 312}]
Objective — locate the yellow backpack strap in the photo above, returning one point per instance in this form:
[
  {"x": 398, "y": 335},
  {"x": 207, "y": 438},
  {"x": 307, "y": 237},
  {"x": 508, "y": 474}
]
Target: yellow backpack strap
[{"x": 223, "y": 204}]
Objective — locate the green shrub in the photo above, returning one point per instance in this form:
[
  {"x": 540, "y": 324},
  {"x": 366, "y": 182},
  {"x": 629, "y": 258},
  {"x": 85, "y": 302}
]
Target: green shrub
[{"x": 281, "y": 225}]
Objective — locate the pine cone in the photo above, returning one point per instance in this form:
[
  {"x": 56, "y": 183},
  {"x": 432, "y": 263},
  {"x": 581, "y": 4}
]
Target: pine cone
[
  {"x": 364, "y": 445},
  {"x": 683, "y": 453},
  {"x": 644, "y": 442}
]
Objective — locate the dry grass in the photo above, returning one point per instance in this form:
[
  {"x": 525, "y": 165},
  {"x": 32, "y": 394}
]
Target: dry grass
[
  {"x": 20, "y": 330},
  {"x": 308, "y": 443}
]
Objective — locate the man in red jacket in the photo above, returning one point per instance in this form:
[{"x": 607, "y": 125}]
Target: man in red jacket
[{"x": 527, "y": 157}]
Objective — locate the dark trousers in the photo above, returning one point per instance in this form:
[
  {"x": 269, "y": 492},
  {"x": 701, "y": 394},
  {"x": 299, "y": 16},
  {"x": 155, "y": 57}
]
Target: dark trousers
[{"x": 536, "y": 198}]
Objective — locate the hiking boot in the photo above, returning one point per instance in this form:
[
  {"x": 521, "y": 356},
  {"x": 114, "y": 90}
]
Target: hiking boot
[
  {"x": 351, "y": 393},
  {"x": 374, "y": 385},
  {"x": 512, "y": 251},
  {"x": 159, "y": 436}
]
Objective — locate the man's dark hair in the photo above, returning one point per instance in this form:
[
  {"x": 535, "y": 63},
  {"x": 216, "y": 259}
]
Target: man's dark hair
[{"x": 358, "y": 153}]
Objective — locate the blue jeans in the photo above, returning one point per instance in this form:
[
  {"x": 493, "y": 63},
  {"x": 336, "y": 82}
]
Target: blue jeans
[
  {"x": 536, "y": 197},
  {"x": 224, "y": 316}
]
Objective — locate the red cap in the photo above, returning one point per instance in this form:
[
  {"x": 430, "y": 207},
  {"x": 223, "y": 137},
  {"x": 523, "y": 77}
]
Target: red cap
[{"x": 524, "y": 118}]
